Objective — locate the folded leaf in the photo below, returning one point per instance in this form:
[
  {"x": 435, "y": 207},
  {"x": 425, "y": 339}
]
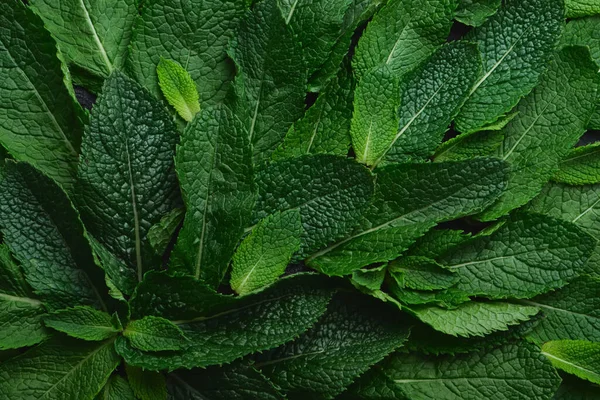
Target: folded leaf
[
  {"x": 155, "y": 334},
  {"x": 576, "y": 357},
  {"x": 271, "y": 79},
  {"x": 329, "y": 191},
  {"x": 581, "y": 8},
  {"x": 515, "y": 44},
  {"x": 446, "y": 298},
  {"x": 263, "y": 255},
  {"x": 116, "y": 388},
  {"x": 548, "y": 124},
  {"x": 71, "y": 361},
  {"x": 44, "y": 232},
  {"x": 214, "y": 166},
  {"x": 528, "y": 255},
  {"x": 403, "y": 34},
  {"x": 195, "y": 34},
  {"x": 475, "y": 12},
  {"x": 146, "y": 385},
  {"x": 178, "y": 88},
  {"x": 580, "y": 167},
  {"x": 161, "y": 233},
  {"x": 39, "y": 122},
  {"x": 83, "y": 323},
  {"x": 85, "y": 31},
  {"x": 126, "y": 174},
  {"x": 410, "y": 199}
]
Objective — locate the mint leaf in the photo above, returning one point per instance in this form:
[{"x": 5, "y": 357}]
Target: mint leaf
[
  {"x": 580, "y": 167},
  {"x": 549, "y": 122},
  {"x": 327, "y": 190},
  {"x": 178, "y": 88},
  {"x": 116, "y": 388},
  {"x": 214, "y": 166},
  {"x": 515, "y": 44},
  {"x": 410, "y": 199},
  {"x": 576, "y": 357},
  {"x": 581, "y": 8},
  {"x": 403, "y": 34},
  {"x": 39, "y": 122},
  {"x": 155, "y": 334},
  {"x": 271, "y": 79},
  {"x": 528, "y": 255},
  {"x": 475, "y": 12},
  {"x": 83, "y": 323},
  {"x": 146, "y": 385},
  {"x": 21, "y": 378},
  {"x": 126, "y": 173},
  {"x": 474, "y": 318},
  {"x": 263, "y": 255},
  {"x": 44, "y": 232},
  {"x": 421, "y": 273},
  {"x": 437, "y": 242},
  {"x": 172, "y": 30},
  {"x": 470, "y": 145},
  {"x": 355, "y": 333},
  {"x": 85, "y": 31},
  {"x": 161, "y": 233}
]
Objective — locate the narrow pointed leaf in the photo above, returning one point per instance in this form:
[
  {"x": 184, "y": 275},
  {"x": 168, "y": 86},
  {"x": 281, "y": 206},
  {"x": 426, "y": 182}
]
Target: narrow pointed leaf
[
  {"x": 178, "y": 88},
  {"x": 576, "y": 357},
  {"x": 161, "y": 233},
  {"x": 580, "y": 167},
  {"x": 421, "y": 273},
  {"x": 155, "y": 334},
  {"x": 475, "y": 12},
  {"x": 83, "y": 323}
]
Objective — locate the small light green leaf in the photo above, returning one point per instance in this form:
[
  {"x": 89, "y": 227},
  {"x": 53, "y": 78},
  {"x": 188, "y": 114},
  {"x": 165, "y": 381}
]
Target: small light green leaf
[
  {"x": 116, "y": 388},
  {"x": 263, "y": 255},
  {"x": 369, "y": 279},
  {"x": 577, "y": 357},
  {"x": 146, "y": 385},
  {"x": 470, "y": 145},
  {"x": 155, "y": 334},
  {"x": 421, "y": 273},
  {"x": 83, "y": 323},
  {"x": 475, "y": 12},
  {"x": 178, "y": 88},
  {"x": 581, "y": 8}
]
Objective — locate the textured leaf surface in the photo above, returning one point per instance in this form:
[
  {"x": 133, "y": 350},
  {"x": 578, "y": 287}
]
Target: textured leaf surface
[
  {"x": 474, "y": 318},
  {"x": 548, "y": 124},
  {"x": 194, "y": 33},
  {"x": 581, "y": 8},
  {"x": 263, "y": 255},
  {"x": 271, "y": 79},
  {"x": 580, "y": 167},
  {"x": 147, "y": 385},
  {"x": 528, "y": 255},
  {"x": 82, "y": 323},
  {"x": 475, "y": 12},
  {"x": 403, "y": 34},
  {"x": 516, "y": 44},
  {"x": 330, "y": 192},
  {"x": 93, "y": 35},
  {"x": 126, "y": 174},
  {"x": 421, "y": 273},
  {"x": 178, "y": 88},
  {"x": 470, "y": 145},
  {"x": 576, "y": 357},
  {"x": 59, "y": 369},
  {"x": 355, "y": 333},
  {"x": 38, "y": 118},
  {"x": 510, "y": 372},
  {"x": 437, "y": 242},
  {"x": 410, "y": 198},
  {"x": 214, "y": 166},
  {"x": 116, "y": 388},
  {"x": 431, "y": 96},
  {"x": 155, "y": 334},
  {"x": 43, "y": 231},
  {"x": 161, "y": 233}
]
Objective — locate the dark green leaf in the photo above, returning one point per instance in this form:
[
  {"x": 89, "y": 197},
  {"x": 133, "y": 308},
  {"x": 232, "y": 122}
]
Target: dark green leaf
[{"x": 83, "y": 323}]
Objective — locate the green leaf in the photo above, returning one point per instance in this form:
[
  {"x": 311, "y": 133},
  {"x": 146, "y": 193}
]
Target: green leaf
[
  {"x": 515, "y": 44},
  {"x": 528, "y": 255},
  {"x": 410, "y": 199},
  {"x": 580, "y": 167},
  {"x": 548, "y": 124},
  {"x": 126, "y": 174},
  {"x": 369, "y": 279},
  {"x": 172, "y": 30},
  {"x": 116, "y": 388},
  {"x": 83, "y": 323},
  {"x": 232, "y": 381},
  {"x": 325, "y": 127},
  {"x": 576, "y": 357},
  {"x": 250, "y": 324},
  {"x": 470, "y": 145},
  {"x": 447, "y": 298},
  {"x": 512, "y": 371},
  {"x": 403, "y": 34},
  {"x": 421, "y": 273},
  {"x": 572, "y": 388},
  {"x": 271, "y": 79},
  {"x": 68, "y": 374},
  {"x": 178, "y": 88},
  {"x": 93, "y": 35},
  {"x": 572, "y": 312},
  {"x": 214, "y": 166},
  {"x": 355, "y": 333},
  {"x": 430, "y": 97},
  {"x": 39, "y": 122},
  {"x": 437, "y": 242},
  {"x": 581, "y": 8},
  {"x": 44, "y": 232},
  {"x": 122, "y": 278},
  {"x": 263, "y": 255},
  {"x": 161, "y": 233},
  {"x": 155, "y": 334},
  {"x": 146, "y": 385},
  {"x": 475, "y": 12},
  {"x": 329, "y": 191},
  {"x": 474, "y": 318}
]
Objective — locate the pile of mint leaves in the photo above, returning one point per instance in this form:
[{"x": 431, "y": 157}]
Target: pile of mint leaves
[{"x": 300, "y": 199}]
